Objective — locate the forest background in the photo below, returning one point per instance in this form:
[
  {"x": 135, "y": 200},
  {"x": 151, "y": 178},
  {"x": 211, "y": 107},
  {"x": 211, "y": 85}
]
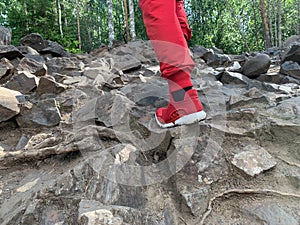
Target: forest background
[{"x": 234, "y": 26}]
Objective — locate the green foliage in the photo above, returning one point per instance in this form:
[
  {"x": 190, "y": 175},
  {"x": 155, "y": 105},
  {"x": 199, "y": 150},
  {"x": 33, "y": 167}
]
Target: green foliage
[{"x": 234, "y": 26}]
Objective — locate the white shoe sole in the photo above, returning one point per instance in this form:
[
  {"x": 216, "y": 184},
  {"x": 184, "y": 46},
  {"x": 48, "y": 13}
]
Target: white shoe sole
[{"x": 185, "y": 120}]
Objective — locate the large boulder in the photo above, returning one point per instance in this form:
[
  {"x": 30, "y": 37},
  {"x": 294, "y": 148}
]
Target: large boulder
[
  {"x": 33, "y": 40},
  {"x": 43, "y": 114},
  {"x": 23, "y": 82},
  {"x": 10, "y": 52},
  {"x": 294, "y": 39},
  {"x": 65, "y": 65},
  {"x": 9, "y": 103},
  {"x": 291, "y": 68},
  {"x": 293, "y": 54},
  {"x": 256, "y": 65},
  {"x": 53, "y": 48},
  {"x": 34, "y": 64}
]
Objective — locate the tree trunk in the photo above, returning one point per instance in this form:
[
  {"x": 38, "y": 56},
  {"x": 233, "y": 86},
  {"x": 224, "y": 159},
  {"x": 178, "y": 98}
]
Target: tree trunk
[
  {"x": 279, "y": 23},
  {"x": 127, "y": 37},
  {"x": 111, "y": 33},
  {"x": 255, "y": 23},
  {"x": 132, "y": 20},
  {"x": 78, "y": 24},
  {"x": 271, "y": 9},
  {"x": 299, "y": 17},
  {"x": 265, "y": 24},
  {"x": 59, "y": 18}
]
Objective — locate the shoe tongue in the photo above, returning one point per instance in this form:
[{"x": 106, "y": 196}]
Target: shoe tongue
[{"x": 179, "y": 95}]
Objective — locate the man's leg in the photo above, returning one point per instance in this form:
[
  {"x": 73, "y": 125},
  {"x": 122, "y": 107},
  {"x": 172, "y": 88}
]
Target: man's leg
[
  {"x": 181, "y": 15},
  {"x": 164, "y": 30}
]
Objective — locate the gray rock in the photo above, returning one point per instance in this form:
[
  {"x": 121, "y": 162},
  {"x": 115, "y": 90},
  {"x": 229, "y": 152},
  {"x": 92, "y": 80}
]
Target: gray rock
[
  {"x": 291, "y": 68},
  {"x": 256, "y": 65},
  {"x": 126, "y": 63},
  {"x": 22, "y": 142},
  {"x": 33, "y": 64},
  {"x": 34, "y": 40},
  {"x": 10, "y": 52},
  {"x": 104, "y": 63},
  {"x": 64, "y": 65},
  {"x": 53, "y": 48},
  {"x": 6, "y": 69},
  {"x": 235, "y": 79},
  {"x": 44, "y": 113},
  {"x": 4, "y": 147},
  {"x": 286, "y": 109},
  {"x": 48, "y": 85},
  {"x": 195, "y": 198},
  {"x": 275, "y": 78},
  {"x": 201, "y": 52},
  {"x": 23, "y": 82},
  {"x": 9, "y": 103},
  {"x": 278, "y": 88},
  {"x": 27, "y": 50},
  {"x": 94, "y": 72},
  {"x": 294, "y": 39},
  {"x": 293, "y": 54},
  {"x": 271, "y": 213},
  {"x": 288, "y": 79},
  {"x": 218, "y": 60},
  {"x": 235, "y": 67},
  {"x": 254, "y": 161}
]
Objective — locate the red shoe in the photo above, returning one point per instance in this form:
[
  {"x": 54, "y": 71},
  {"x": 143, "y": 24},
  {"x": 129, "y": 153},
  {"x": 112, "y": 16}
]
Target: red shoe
[{"x": 187, "y": 111}]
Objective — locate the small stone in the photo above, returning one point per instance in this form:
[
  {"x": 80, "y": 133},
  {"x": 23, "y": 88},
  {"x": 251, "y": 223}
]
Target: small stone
[
  {"x": 195, "y": 198},
  {"x": 254, "y": 162},
  {"x": 22, "y": 142}
]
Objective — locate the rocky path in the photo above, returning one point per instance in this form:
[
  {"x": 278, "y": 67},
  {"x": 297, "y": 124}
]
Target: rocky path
[{"x": 78, "y": 144}]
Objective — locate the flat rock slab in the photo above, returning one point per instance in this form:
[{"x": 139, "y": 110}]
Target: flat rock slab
[{"x": 254, "y": 162}]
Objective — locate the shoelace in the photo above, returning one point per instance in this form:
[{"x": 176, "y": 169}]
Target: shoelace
[{"x": 175, "y": 115}]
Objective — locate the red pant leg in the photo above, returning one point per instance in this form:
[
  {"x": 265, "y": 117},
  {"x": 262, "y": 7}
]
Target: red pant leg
[
  {"x": 164, "y": 31},
  {"x": 181, "y": 14}
]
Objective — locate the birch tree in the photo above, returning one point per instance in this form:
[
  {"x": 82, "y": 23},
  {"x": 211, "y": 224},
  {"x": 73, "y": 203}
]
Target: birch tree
[
  {"x": 299, "y": 17},
  {"x": 279, "y": 23},
  {"x": 132, "y": 20},
  {"x": 110, "y": 21},
  {"x": 59, "y": 18},
  {"x": 78, "y": 25}
]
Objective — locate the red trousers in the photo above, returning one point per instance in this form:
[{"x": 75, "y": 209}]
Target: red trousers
[{"x": 168, "y": 29}]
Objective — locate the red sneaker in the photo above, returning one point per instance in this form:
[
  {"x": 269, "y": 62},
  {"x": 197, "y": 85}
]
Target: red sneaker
[{"x": 187, "y": 111}]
